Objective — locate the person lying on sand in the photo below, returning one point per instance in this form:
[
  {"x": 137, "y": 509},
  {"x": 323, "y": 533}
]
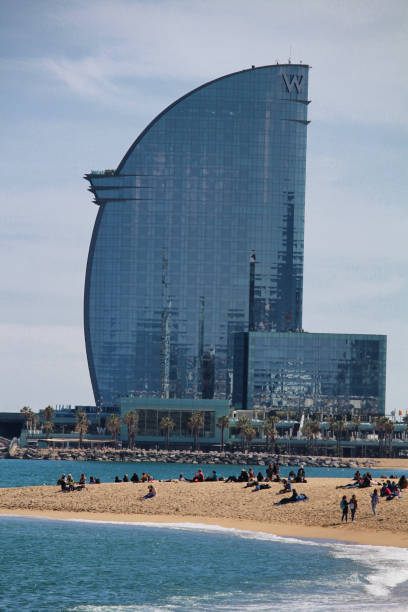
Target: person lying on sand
[{"x": 290, "y": 500}]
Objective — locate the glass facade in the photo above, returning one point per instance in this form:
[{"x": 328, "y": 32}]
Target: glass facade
[
  {"x": 199, "y": 235},
  {"x": 331, "y": 373}
]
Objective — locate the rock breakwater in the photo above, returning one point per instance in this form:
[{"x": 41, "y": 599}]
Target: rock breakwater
[{"x": 140, "y": 455}]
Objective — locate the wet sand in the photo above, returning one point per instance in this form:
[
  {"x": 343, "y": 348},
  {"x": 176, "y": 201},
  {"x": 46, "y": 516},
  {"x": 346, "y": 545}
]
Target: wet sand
[{"x": 228, "y": 505}]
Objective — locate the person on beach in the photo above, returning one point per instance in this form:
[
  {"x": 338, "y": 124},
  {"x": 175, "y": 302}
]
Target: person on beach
[
  {"x": 125, "y": 478},
  {"x": 82, "y": 481},
  {"x": 144, "y": 477},
  {"x": 251, "y": 474},
  {"x": 374, "y": 501},
  {"x": 152, "y": 492},
  {"x": 344, "y": 507},
  {"x": 353, "y": 507},
  {"x": 287, "y": 487},
  {"x": 117, "y": 479},
  {"x": 269, "y": 472},
  {"x": 403, "y": 482},
  {"x": 135, "y": 478}
]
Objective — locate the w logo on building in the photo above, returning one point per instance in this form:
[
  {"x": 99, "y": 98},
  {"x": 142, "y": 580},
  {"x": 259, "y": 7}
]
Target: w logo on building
[{"x": 294, "y": 80}]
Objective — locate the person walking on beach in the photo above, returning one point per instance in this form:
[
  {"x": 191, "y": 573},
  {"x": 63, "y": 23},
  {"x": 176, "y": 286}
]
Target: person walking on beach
[
  {"x": 374, "y": 501},
  {"x": 344, "y": 508},
  {"x": 353, "y": 507}
]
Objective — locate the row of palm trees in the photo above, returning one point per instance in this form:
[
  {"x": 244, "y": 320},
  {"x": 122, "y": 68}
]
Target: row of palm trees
[
  {"x": 383, "y": 425},
  {"x": 311, "y": 428}
]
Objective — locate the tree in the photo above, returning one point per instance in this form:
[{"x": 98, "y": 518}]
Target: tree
[
  {"x": 195, "y": 423},
  {"x": 223, "y": 424},
  {"x": 270, "y": 432},
  {"x": 48, "y": 426},
  {"x": 356, "y": 426},
  {"x": 249, "y": 434},
  {"x": 113, "y": 426},
  {"x": 311, "y": 429},
  {"x": 82, "y": 425},
  {"x": 131, "y": 420},
  {"x": 29, "y": 417},
  {"x": 243, "y": 425},
  {"x": 338, "y": 428},
  {"x": 47, "y": 415},
  {"x": 385, "y": 428},
  {"x": 167, "y": 425}
]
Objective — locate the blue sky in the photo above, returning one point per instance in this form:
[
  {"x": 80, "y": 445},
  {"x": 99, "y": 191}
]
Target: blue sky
[{"x": 79, "y": 82}]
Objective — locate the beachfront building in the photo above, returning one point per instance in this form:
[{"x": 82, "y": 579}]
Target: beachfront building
[
  {"x": 194, "y": 281},
  {"x": 328, "y": 374},
  {"x": 151, "y": 411},
  {"x": 198, "y": 236}
]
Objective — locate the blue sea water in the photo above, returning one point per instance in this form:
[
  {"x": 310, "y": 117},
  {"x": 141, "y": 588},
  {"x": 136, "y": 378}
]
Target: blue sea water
[
  {"x": 81, "y": 566},
  {"x": 24, "y": 472}
]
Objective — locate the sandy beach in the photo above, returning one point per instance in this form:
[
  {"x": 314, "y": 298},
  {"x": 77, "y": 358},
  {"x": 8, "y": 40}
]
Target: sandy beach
[{"x": 228, "y": 505}]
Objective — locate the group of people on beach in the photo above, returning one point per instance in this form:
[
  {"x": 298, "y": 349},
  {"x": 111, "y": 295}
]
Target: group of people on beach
[{"x": 389, "y": 489}]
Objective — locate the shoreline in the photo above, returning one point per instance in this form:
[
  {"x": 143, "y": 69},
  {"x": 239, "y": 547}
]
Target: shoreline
[{"x": 364, "y": 537}]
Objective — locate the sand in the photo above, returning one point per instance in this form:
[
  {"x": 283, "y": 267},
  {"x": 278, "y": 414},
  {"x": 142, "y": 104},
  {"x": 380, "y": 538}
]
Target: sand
[{"x": 228, "y": 505}]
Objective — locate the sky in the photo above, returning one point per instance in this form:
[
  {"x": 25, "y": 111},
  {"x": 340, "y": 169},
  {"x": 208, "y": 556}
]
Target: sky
[{"x": 80, "y": 81}]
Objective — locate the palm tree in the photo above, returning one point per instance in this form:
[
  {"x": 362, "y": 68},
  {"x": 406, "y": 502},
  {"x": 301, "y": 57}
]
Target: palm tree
[
  {"x": 131, "y": 420},
  {"x": 46, "y": 416},
  {"x": 243, "y": 424},
  {"x": 338, "y": 427},
  {"x": 48, "y": 426},
  {"x": 270, "y": 432},
  {"x": 249, "y": 434},
  {"x": 195, "y": 423},
  {"x": 82, "y": 425},
  {"x": 167, "y": 425},
  {"x": 356, "y": 425},
  {"x": 311, "y": 429},
  {"x": 223, "y": 423},
  {"x": 384, "y": 427},
  {"x": 28, "y": 416},
  {"x": 113, "y": 426}
]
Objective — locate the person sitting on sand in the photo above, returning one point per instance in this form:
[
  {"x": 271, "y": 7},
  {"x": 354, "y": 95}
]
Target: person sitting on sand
[
  {"x": 152, "y": 492},
  {"x": 125, "y": 478},
  {"x": 287, "y": 487},
  {"x": 403, "y": 482},
  {"x": 301, "y": 475},
  {"x": 213, "y": 477},
  {"x": 144, "y": 477},
  {"x": 91, "y": 480},
  {"x": 135, "y": 478},
  {"x": 259, "y": 477},
  {"x": 181, "y": 478},
  {"x": 244, "y": 476},
  {"x": 269, "y": 472},
  {"x": 82, "y": 481},
  {"x": 357, "y": 476},
  {"x": 63, "y": 483},
  {"x": 251, "y": 474},
  {"x": 117, "y": 479}
]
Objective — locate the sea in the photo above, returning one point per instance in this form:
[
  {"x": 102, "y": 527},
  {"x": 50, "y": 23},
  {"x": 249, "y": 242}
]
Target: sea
[{"x": 95, "y": 566}]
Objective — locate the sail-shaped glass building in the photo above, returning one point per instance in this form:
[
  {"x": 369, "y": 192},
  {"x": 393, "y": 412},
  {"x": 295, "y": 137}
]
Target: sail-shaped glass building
[{"x": 199, "y": 235}]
